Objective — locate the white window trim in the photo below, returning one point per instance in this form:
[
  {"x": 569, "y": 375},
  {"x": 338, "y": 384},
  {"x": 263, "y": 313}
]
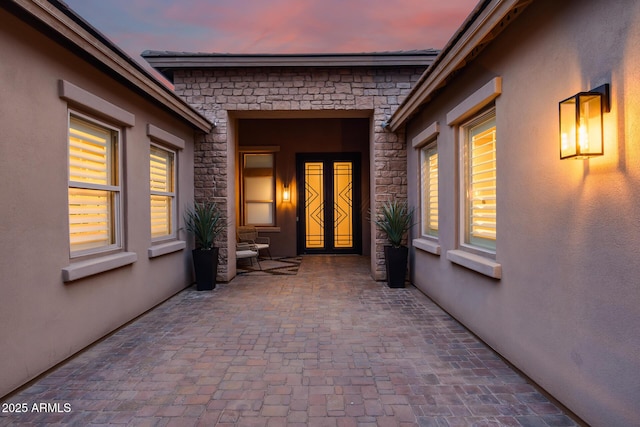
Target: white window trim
[
  {"x": 164, "y": 137},
  {"x": 82, "y": 269},
  {"x": 118, "y": 245},
  {"x": 473, "y": 258},
  {"x": 427, "y": 245},
  {"x": 164, "y": 248},
  {"x": 475, "y": 102},
  {"x": 476, "y": 263},
  {"x": 426, "y": 137},
  {"x": 167, "y": 141},
  {"x": 94, "y": 104},
  {"x": 90, "y": 103},
  {"x": 431, "y": 146},
  {"x": 463, "y": 189}
]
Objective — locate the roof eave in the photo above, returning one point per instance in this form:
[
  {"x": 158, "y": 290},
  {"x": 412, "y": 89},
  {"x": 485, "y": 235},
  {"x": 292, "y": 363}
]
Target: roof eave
[
  {"x": 167, "y": 62},
  {"x": 482, "y": 26},
  {"x": 86, "y": 38}
]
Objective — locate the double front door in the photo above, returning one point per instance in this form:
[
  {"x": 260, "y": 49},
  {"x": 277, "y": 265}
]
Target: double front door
[{"x": 329, "y": 217}]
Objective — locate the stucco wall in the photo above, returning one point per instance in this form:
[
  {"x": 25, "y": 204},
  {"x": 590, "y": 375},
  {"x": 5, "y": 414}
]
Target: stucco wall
[
  {"x": 42, "y": 319},
  {"x": 226, "y": 95},
  {"x": 567, "y": 308}
]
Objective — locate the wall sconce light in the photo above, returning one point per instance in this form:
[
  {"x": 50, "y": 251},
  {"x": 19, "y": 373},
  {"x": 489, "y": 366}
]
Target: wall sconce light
[
  {"x": 581, "y": 133},
  {"x": 286, "y": 193}
]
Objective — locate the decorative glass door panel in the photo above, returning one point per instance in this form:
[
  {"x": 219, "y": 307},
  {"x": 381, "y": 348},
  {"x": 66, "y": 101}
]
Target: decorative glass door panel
[
  {"x": 314, "y": 205},
  {"x": 328, "y": 221},
  {"x": 343, "y": 204}
]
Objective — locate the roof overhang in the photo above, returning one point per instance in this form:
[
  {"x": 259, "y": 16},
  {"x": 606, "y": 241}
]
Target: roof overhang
[
  {"x": 167, "y": 62},
  {"x": 57, "y": 19},
  {"x": 484, "y": 23}
]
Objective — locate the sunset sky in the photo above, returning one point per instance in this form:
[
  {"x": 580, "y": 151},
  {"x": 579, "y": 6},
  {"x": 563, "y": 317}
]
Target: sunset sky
[{"x": 274, "y": 26}]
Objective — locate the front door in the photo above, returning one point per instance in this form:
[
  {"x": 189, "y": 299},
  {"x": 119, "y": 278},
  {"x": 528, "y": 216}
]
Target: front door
[{"x": 329, "y": 220}]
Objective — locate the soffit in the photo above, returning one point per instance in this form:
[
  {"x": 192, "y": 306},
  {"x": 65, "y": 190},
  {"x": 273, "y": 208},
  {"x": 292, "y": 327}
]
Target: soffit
[
  {"x": 58, "y": 20},
  {"x": 484, "y": 24}
]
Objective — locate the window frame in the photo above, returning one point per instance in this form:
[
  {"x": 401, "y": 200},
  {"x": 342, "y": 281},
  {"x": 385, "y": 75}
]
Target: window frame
[
  {"x": 425, "y": 138},
  {"x": 173, "y": 194},
  {"x": 244, "y": 200},
  {"x": 426, "y": 153},
  {"x": 115, "y": 190},
  {"x": 483, "y": 98},
  {"x": 484, "y": 116}
]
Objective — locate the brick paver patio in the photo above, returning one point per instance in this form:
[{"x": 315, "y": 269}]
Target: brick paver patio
[{"x": 328, "y": 347}]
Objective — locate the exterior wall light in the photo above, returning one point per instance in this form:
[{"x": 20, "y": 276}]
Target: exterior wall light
[
  {"x": 286, "y": 193},
  {"x": 581, "y": 133}
]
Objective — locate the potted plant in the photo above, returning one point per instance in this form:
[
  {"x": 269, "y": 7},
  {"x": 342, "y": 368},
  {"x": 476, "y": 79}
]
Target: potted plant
[
  {"x": 395, "y": 219},
  {"x": 205, "y": 221}
]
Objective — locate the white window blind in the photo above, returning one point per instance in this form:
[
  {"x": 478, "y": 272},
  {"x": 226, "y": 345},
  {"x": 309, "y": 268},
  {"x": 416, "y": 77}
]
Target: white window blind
[
  {"x": 430, "y": 191},
  {"x": 94, "y": 189},
  {"x": 162, "y": 192},
  {"x": 481, "y": 181}
]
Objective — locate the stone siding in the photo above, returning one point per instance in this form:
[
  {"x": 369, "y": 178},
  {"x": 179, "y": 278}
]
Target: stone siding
[{"x": 378, "y": 91}]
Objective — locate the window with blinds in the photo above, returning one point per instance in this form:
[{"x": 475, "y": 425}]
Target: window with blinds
[
  {"x": 161, "y": 180},
  {"x": 481, "y": 182},
  {"x": 429, "y": 184},
  {"x": 94, "y": 187},
  {"x": 258, "y": 189}
]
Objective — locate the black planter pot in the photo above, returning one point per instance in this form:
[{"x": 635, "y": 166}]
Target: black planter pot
[
  {"x": 396, "y": 262},
  {"x": 205, "y": 263}
]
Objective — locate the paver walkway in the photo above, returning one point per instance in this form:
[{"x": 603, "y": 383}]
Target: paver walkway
[{"x": 328, "y": 347}]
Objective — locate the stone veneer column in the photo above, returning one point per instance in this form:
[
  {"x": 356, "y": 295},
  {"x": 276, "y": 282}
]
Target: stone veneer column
[{"x": 216, "y": 92}]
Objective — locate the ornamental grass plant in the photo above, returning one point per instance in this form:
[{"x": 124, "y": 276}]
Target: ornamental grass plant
[
  {"x": 395, "y": 219},
  {"x": 205, "y": 221}
]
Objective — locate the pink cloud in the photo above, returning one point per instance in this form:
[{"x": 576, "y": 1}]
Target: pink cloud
[
  {"x": 329, "y": 26},
  {"x": 276, "y": 26}
]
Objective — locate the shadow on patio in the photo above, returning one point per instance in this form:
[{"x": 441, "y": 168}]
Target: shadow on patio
[{"x": 328, "y": 347}]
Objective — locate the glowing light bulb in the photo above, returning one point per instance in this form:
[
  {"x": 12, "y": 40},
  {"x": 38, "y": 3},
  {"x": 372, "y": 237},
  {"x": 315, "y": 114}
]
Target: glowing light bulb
[{"x": 583, "y": 136}]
